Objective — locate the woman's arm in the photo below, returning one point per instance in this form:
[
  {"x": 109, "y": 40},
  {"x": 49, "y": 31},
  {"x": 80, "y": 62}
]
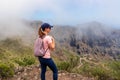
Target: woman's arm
[{"x": 52, "y": 44}]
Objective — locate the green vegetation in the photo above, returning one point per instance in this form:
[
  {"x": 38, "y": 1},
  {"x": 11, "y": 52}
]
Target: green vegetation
[
  {"x": 6, "y": 70},
  {"x": 115, "y": 69},
  {"x": 70, "y": 64},
  {"x": 102, "y": 70},
  {"x": 109, "y": 72},
  {"x": 27, "y": 60},
  {"x": 13, "y": 54}
]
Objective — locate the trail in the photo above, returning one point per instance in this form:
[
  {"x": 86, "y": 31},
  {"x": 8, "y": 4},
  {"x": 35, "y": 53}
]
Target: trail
[
  {"x": 89, "y": 60},
  {"x": 33, "y": 73}
]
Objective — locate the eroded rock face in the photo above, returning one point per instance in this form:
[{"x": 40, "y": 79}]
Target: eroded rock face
[{"x": 92, "y": 38}]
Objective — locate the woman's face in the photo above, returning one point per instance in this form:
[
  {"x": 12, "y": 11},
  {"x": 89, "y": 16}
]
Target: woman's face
[{"x": 47, "y": 30}]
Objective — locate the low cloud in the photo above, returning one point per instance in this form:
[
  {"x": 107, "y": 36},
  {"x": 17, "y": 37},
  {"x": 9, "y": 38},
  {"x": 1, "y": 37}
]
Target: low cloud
[
  {"x": 63, "y": 12},
  {"x": 12, "y": 13}
]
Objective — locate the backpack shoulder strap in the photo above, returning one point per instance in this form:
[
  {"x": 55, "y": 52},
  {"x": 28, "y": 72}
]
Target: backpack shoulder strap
[{"x": 42, "y": 46}]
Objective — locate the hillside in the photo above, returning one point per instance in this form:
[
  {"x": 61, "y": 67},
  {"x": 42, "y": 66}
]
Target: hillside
[
  {"x": 90, "y": 38},
  {"x": 88, "y": 52}
]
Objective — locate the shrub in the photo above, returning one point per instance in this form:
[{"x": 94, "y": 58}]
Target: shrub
[
  {"x": 74, "y": 61},
  {"x": 69, "y": 65},
  {"x": 63, "y": 66},
  {"x": 25, "y": 61},
  {"x": 6, "y": 70},
  {"x": 115, "y": 69},
  {"x": 85, "y": 69},
  {"x": 28, "y": 60},
  {"x": 95, "y": 71},
  {"x": 100, "y": 73}
]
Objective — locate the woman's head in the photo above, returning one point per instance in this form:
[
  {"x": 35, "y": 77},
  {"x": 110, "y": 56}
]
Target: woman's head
[{"x": 44, "y": 29}]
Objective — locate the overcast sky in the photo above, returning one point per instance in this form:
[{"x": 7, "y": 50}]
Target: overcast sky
[{"x": 65, "y": 12}]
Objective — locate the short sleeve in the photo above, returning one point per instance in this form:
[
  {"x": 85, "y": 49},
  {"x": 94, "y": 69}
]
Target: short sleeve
[{"x": 49, "y": 39}]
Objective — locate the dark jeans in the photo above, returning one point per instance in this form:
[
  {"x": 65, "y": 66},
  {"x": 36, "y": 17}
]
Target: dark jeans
[{"x": 48, "y": 62}]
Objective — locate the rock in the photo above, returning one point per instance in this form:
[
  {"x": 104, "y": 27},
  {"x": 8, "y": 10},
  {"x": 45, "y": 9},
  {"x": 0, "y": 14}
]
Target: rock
[
  {"x": 25, "y": 74},
  {"x": 63, "y": 74},
  {"x": 18, "y": 73},
  {"x": 33, "y": 73},
  {"x": 59, "y": 74},
  {"x": 19, "y": 78},
  {"x": 35, "y": 78}
]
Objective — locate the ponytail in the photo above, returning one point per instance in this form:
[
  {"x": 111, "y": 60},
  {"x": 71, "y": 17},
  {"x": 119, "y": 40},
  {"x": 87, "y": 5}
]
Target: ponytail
[{"x": 41, "y": 32}]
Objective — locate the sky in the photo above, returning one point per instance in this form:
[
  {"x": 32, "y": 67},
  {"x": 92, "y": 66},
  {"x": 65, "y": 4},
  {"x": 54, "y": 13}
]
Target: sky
[{"x": 62, "y": 12}]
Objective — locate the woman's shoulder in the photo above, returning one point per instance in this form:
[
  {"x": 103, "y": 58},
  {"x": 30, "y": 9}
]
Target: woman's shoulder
[
  {"x": 38, "y": 39},
  {"x": 48, "y": 36}
]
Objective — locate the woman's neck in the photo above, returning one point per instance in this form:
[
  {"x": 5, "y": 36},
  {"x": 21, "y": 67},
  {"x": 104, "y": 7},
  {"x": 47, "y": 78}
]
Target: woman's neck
[{"x": 45, "y": 32}]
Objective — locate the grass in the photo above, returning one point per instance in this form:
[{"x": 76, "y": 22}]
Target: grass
[
  {"x": 24, "y": 61},
  {"x": 13, "y": 53},
  {"x": 6, "y": 70},
  {"x": 111, "y": 70},
  {"x": 69, "y": 65},
  {"x": 115, "y": 69}
]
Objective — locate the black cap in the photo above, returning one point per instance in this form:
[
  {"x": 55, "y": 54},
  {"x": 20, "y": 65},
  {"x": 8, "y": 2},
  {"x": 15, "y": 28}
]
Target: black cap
[{"x": 46, "y": 25}]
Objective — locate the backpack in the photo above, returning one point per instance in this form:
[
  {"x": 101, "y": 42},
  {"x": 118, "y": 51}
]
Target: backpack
[{"x": 39, "y": 49}]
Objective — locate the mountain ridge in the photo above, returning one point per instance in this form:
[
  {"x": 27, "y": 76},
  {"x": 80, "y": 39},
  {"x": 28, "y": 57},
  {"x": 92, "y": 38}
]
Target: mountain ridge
[{"x": 85, "y": 53}]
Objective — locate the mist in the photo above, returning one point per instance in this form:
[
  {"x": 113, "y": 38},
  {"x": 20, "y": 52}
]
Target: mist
[
  {"x": 12, "y": 13},
  {"x": 93, "y": 30}
]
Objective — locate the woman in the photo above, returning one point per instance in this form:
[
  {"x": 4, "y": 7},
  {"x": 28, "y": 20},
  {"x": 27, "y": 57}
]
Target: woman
[{"x": 49, "y": 45}]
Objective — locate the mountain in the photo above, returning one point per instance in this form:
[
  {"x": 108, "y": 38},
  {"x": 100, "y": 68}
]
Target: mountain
[
  {"x": 86, "y": 51},
  {"x": 89, "y": 38}
]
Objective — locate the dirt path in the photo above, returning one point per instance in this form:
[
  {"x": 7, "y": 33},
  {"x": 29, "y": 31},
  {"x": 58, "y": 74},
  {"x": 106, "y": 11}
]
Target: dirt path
[
  {"x": 33, "y": 73},
  {"x": 91, "y": 62}
]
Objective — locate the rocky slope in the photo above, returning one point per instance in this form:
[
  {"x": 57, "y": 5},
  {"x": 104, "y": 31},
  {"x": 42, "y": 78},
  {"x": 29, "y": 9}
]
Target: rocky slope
[
  {"x": 92, "y": 42},
  {"x": 33, "y": 73},
  {"x": 90, "y": 38}
]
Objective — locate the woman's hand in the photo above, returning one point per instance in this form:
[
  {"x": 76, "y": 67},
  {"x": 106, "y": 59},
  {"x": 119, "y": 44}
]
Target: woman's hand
[
  {"x": 52, "y": 45},
  {"x": 53, "y": 40}
]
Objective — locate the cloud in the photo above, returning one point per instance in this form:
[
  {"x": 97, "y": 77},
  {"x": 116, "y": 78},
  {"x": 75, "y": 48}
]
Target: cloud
[
  {"x": 61, "y": 11},
  {"x": 16, "y": 8},
  {"x": 77, "y": 11},
  {"x": 11, "y": 14}
]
